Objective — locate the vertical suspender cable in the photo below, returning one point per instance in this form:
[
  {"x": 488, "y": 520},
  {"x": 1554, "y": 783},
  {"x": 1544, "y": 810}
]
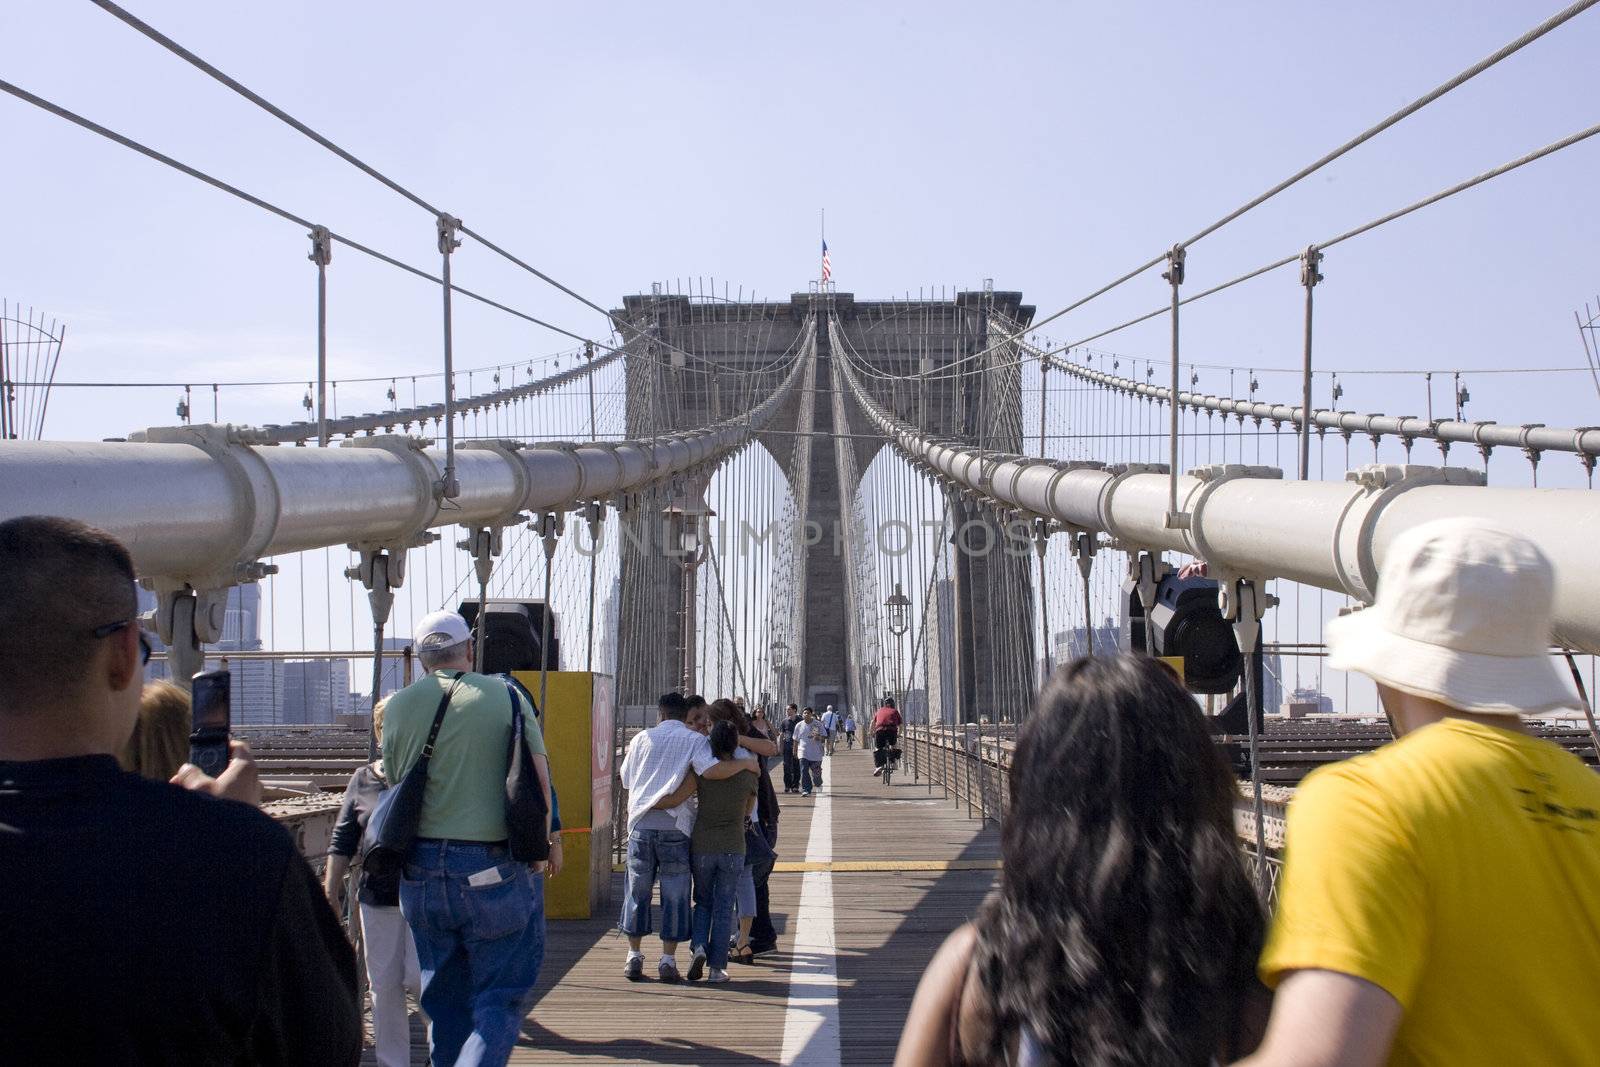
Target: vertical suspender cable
[
  {"x": 322, "y": 255},
  {"x": 1174, "y": 276},
  {"x": 446, "y": 227},
  {"x": 1309, "y": 277}
]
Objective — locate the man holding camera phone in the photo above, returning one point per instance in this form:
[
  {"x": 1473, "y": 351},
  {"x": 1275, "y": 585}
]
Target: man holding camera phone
[{"x": 139, "y": 923}]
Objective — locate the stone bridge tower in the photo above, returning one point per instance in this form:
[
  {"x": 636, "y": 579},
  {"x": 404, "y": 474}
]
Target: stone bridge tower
[{"x": 672, "y": 392}]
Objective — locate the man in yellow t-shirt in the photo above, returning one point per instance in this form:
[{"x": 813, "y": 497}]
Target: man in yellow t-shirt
[{"x": 1441, "y": 899}]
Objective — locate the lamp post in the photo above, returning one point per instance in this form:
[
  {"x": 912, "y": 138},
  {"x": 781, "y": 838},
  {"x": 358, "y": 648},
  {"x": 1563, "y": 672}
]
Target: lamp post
[
  {"x": 899, "y": 606},
  {"x": 694, "y": 545}
]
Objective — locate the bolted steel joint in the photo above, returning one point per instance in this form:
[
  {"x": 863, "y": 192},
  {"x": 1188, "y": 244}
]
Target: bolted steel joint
[
  {"x": 1310, "y": 262},
  {"x": 1175, "y": 265},
  {"x": 321, "y": 245},
  {"x": 448, "y": 227}
]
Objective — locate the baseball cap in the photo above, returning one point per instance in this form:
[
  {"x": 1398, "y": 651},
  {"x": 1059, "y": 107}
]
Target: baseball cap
[{"x": 440, "y": 629}]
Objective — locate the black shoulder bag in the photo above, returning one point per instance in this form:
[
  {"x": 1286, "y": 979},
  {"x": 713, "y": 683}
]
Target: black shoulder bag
[
  {"x": 395, "y": 818},
  {"x": 526, "y": 810}
]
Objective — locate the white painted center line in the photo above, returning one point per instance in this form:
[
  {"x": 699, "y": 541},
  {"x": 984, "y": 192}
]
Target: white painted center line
[{"x": 811, "y": 1021}]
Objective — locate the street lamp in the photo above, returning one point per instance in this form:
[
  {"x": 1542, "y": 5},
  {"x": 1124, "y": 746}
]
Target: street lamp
[
  {"x": 694, "y": 545},
  {"x": 899, "y": 606}
]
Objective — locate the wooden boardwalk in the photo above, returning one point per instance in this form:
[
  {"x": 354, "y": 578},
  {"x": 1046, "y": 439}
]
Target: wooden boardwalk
[{"x": 892, "y": 871}]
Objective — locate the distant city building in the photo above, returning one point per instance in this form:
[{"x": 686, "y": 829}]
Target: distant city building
[
  {"x": 266, "y": 691},
  {"x": 1272, "y": 687},
  {"x": 1308, "y": 701},
  {"x": 1071, "y": 644},
  {"x": 241, "y": 625},
  {"x": 392, "y": 678},
  {"x": 315, "y": 691}
]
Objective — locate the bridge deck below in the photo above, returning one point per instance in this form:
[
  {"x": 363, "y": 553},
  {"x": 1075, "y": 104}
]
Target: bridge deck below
[{"x": 892, "y": 871}]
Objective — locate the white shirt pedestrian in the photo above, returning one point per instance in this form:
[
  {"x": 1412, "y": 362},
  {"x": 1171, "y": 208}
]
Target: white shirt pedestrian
[
  {"x": 654, "y": 767},
  {"x": 808, "y": 738}
]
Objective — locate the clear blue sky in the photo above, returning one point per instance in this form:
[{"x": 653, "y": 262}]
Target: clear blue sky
[
  {"x": 1047, "y": 145},
  {"x": 1050, "y": 146}
]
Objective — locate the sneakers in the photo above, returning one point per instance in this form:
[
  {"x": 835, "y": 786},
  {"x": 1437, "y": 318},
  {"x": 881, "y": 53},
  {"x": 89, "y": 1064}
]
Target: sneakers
[
  {"x": 697, "y": 967},
  {"x": 667, "y": 970},
  {"x": 805, "y": 792},
  {"x": 717, "y": 977},
  {"x": 876, "y": 771},
  {"x": 633, "y": 970}
]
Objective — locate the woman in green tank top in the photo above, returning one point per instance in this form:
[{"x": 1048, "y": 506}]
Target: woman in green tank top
[{"x": 717, "y": 848}]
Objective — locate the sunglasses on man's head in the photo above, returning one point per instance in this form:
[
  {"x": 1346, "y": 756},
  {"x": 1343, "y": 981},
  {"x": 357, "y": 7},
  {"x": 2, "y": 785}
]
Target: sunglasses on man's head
[{"x": 112, "y": 627}]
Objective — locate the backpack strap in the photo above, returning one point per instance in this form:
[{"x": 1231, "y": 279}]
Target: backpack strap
[{"x": 438, "y": 718}]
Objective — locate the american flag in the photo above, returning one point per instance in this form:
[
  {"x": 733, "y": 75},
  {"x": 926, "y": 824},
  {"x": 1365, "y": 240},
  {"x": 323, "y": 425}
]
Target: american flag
[{"x": 827, "y": 267}]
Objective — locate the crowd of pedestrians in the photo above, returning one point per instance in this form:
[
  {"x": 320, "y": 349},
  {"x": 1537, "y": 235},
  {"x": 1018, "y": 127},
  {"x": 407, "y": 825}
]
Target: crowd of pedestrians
[
  {"x": 703, "y": 825},
  {"x": 1440, "y": 902}
]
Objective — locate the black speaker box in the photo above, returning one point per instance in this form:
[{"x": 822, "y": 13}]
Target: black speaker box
[{"x": 511, "y": 635}]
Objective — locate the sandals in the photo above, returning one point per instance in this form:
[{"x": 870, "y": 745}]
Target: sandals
[{"x": 742, "y": 954}]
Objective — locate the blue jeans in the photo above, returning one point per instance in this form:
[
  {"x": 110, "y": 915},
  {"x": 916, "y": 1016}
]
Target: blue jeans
[
  {"x": 716, "y": 877},
  {"x": 652, "y": 855},
  {"x": 810, "y": 775},
  {"x": 479, "y": 946}
]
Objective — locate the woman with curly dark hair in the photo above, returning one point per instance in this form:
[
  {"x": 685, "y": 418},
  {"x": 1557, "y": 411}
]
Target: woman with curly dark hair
[{"x": 1125, "y": 929}]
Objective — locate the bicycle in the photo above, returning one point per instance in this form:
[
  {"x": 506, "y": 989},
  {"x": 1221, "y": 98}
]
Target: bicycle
[{"x": 890, "y": 762}]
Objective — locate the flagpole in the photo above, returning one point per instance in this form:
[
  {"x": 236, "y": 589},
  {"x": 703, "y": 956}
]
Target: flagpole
[{"x": 822, "y": 229}]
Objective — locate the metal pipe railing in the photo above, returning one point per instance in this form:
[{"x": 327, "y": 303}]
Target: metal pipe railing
[
  {"x": 201, "y": 503},
  {"x": 1583, "y": 441},
  {"x": 1250, "y": 523}
]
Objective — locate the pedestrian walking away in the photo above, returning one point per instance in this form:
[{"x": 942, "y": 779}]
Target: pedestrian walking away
[
  {"x": 1440, "y": 901},
  {"x": 717, "y": 846},
  {"x": 885, "y": 734},
  {"x": 387, "y": 945},
  {"x": 1125, "y": 930},
  {"x": 476, "y": 912},
  {"x": 659, "y": 763}
]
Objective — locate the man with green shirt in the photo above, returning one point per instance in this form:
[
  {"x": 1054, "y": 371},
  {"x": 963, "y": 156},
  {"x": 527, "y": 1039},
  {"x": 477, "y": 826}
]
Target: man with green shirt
[{"x": 477, "y": 915}]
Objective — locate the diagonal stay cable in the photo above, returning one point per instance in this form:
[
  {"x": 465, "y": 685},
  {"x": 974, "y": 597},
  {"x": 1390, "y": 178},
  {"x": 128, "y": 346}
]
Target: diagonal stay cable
[
  {"x": 277, "y": 112},
  {"x": 265, "y": 205},
  {"x": 1551, "y": 23},
  {"x": 1029, "y": 352},
  {"x": 177, "y": 49},
  {"x": 283, "y": 213},
  {"x": 1321, "y": 246}
]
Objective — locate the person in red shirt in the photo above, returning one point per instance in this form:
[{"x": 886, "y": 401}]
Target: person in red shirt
[{"x": 885, "y": 734}]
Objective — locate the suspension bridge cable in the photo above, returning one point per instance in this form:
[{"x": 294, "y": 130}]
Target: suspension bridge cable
[
  {"x": 265, "y": 205},
  {"x": 1428, "y": 201},
  {"x": 349, "y": 157},
  {"x": 289, "y": 216},
  {"x": 1029, "y": 352},
  {"x": 1549, "y": 24}
]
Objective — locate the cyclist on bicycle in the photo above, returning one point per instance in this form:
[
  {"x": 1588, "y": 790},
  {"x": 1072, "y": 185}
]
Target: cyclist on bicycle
[{"x": 885, "y": 734}]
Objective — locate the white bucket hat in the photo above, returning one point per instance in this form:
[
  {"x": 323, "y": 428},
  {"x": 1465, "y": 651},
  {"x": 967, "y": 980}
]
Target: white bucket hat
[{"x": 1462, "y": 617}]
